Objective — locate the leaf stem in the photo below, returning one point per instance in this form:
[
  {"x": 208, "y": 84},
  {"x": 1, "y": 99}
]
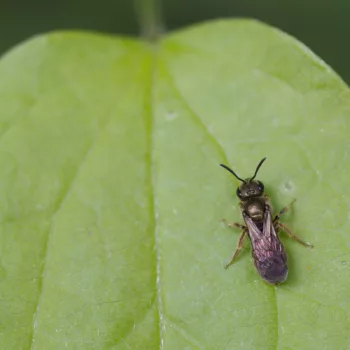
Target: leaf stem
[{"x": 149, "y": 18}]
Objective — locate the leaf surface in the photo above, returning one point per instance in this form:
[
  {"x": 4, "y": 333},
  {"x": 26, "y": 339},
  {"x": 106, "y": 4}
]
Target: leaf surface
[{"x": 111, "y": 193}]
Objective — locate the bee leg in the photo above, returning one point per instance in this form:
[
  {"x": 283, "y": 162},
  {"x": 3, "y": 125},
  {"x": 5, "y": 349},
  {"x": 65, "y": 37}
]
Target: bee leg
[
  {"x": 283, "y": 210},
  {"x": 233, "y": 224},
  {"x": 238, "y": 249},
  {"x": 292, "y": 235}
]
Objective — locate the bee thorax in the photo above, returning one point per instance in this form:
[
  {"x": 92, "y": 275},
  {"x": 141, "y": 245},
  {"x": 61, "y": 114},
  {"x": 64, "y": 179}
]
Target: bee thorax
[{"x": 255, "y": 208}]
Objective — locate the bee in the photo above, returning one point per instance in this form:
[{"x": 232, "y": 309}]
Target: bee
[{"x": 269, "y": 256}]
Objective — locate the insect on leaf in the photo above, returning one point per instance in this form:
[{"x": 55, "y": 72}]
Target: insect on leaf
[{"x": 111, "y": 197}]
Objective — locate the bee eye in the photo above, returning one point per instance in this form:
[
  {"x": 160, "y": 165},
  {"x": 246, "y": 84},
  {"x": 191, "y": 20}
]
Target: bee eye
[
  {"x": 261, "y": 186},
  {"x": 239, "y": 193}
]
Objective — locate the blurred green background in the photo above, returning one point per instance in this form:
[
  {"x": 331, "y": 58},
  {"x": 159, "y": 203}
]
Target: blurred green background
[{"x": 322, "y": 25}]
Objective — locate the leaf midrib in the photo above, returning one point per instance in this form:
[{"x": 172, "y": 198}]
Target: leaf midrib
[{"x": 150, "y": 116}]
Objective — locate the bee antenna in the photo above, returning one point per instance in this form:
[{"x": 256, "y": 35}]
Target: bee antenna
[
  {"x": 257, "y": 168},
  {"x": 232, "y": 172}
]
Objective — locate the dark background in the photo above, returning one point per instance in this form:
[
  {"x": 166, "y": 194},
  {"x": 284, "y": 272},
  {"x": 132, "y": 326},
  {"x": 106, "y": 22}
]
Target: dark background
[{"x": 322, "y": 25}]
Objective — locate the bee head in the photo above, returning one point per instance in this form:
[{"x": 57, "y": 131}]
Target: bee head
[{"x": 250, "y": 187}]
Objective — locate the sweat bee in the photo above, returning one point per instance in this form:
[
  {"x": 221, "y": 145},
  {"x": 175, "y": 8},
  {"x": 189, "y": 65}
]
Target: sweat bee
[{"x": 269, "y": 256}]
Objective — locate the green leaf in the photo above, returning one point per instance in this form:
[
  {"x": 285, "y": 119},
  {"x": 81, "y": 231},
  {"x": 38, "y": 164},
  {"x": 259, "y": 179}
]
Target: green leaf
[{"x": 111, "y": 195}]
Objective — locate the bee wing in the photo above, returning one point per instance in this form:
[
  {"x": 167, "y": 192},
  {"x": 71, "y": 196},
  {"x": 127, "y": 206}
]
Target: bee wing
[
  {"x": 268, "y": 254},
  {"x": 263, "y": 237}
]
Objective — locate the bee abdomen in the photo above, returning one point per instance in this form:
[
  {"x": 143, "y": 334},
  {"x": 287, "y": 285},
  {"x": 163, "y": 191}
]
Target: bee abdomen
[{"x": 273, "y": 269}]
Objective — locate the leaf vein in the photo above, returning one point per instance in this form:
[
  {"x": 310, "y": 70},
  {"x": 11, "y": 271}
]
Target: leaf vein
[
  {"x": 60, "y": 200},
  {"x": 277, "y": 319},
  {"x": 153, "y": 202},
  {"x": 195, "y": 117},
  {"x": 189, "y": 338}
]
